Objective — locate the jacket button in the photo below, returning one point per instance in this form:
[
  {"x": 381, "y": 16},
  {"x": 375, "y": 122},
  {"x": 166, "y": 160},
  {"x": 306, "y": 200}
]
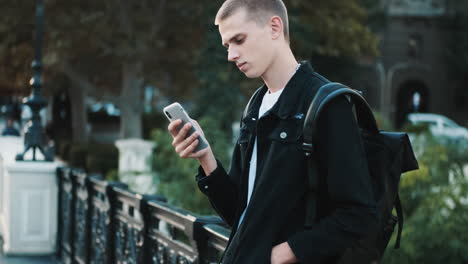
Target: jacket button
[
  {"x": 283, "y": 135},
  {"x": 206, "y": 187}
]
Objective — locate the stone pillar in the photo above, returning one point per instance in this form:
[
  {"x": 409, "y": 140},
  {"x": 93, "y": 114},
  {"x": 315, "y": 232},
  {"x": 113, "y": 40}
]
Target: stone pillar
[
  {"x": 29, "y": 194},
  {"x": 10, "y": 147},
  {"x": 135, "y": 164}
]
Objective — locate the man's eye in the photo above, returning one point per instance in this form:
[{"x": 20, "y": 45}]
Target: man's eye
[{"x": 239, "y": 41}]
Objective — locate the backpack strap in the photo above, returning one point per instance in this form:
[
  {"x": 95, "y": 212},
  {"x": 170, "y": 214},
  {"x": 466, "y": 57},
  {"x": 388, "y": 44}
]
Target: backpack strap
[
  {"x": 308, "y": 148},
  {"x": 324, "y": 95},
  {"x": 399, "y": 211}
]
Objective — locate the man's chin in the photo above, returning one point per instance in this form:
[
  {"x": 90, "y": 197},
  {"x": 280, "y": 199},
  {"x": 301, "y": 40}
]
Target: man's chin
[{"x": 251, "y": 75}]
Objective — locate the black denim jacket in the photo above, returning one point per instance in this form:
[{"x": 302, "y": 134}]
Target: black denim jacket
[{"x": 276, "y": 211}]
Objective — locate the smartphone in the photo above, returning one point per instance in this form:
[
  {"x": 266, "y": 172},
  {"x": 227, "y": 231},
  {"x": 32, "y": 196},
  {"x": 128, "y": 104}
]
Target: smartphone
[{"x": 176, "y": 111}]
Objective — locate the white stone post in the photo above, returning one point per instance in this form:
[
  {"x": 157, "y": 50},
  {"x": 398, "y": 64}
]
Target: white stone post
[
  {"x": 29, "y": 195},
  {"x": 135, "y": 164}
]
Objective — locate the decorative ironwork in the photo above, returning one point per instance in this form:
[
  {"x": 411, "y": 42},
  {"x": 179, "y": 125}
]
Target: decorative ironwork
[
  {"x": 80, "y": 245},
  {"x": 130, "y": 227},
  {"x": 171, "y": 234},
  {"x": 214, "y": 243},
  {"x": 99, "y": 224},
  {"x": 110, "y": 224},
  {"x": 66, "y": 209},
  {"x": 34, "y": 137},
  {"x": 102, "y": 232}
]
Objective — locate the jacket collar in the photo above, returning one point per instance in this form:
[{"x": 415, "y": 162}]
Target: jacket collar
[{"x": 287, "y": 102}]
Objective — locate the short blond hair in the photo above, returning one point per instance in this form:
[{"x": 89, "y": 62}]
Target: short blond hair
[{"x": 257, "y": 10}]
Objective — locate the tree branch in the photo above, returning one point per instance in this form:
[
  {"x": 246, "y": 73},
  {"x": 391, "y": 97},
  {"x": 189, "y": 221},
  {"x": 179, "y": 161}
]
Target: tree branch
[
  {"x": 124, "y": 18},
  {"x": 82, "y": 81},
  {"x": 158, "y": 16}
]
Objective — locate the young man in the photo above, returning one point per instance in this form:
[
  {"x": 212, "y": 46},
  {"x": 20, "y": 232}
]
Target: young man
[{"x": 263, "y": 196}]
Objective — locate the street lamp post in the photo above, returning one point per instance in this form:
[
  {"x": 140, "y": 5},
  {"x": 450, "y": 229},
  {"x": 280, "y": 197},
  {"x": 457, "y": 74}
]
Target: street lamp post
[{"x": 34, "y": 137}]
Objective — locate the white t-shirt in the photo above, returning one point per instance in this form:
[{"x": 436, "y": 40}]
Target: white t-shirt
[{"x": 269, "y": 99}]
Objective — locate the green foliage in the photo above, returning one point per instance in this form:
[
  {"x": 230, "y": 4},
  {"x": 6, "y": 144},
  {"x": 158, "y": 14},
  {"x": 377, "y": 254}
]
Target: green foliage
[
  {"x": 416, "y": 128},
  {"x": 78, "y": 153},
  {"x": 334, "y": 28},
  {"x": 382, "y": 122},
  {"x": 112, "y": 175},
  {"x": 414, "y": 188},
  {"x": 437, "y": 231},
  {"x": 94, "y": 157},
  {"x": 102, "y": 158},
  {"x": 435, "y": 203}
]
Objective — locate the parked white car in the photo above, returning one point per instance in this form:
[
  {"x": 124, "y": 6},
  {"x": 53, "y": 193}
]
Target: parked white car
[{"x": 439, "y": 125}]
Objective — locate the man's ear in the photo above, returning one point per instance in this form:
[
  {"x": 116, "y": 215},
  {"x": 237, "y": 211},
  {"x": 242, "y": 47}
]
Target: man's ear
[{"x": 276, "y": 25}]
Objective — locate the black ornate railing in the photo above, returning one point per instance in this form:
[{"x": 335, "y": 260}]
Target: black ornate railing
[{"x": 104, "y": 222}]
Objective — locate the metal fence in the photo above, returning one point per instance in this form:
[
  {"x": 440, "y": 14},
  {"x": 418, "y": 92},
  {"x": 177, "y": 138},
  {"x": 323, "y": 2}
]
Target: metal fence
[{"x": 104, "y": 222}]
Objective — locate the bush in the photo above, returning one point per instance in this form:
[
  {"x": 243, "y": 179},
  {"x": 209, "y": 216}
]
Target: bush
[
  {"x": 93, "y": 157},
  {"x": 437, "y": 231},
  {"x": 102, "y": 158},
  {"x": 435, "y": 203},
  {"x": 112, "y": 175},
  {"x": 64, "y": 149},
  {"x": 416, "y": 128},
  {"x": 77, "y": 156}
]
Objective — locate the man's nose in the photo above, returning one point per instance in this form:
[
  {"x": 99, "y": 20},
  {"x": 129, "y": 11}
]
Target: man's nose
[{"x": 233, "y": 55}]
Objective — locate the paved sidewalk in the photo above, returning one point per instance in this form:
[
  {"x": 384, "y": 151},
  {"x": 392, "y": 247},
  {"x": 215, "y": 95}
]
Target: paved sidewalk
[
  {"x": 28, "y": 260},
  {"x": 25, "y": 260}
]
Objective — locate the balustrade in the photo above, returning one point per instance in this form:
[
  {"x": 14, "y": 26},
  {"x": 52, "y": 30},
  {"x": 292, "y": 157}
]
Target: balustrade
[{"x": 105, "y": 222}]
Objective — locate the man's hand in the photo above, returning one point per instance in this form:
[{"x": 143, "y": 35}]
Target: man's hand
[
  {"x": 282, "y": 254},
  {"x": 185, "y": 147}
]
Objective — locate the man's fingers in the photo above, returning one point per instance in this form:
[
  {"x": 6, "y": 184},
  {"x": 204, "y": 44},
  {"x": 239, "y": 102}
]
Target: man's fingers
[
  {"x": 181, "y": 134},
  {"x": 172, "y": 127},
  {"x": 197, "y": 126},
  {"x": 189, "y": 150},
  {"x": 199, "y": 153},
  {"x": 184, "y": 144}
]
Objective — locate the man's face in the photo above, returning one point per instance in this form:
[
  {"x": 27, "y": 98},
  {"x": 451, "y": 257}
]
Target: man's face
[{"x": 249, "y": 45}]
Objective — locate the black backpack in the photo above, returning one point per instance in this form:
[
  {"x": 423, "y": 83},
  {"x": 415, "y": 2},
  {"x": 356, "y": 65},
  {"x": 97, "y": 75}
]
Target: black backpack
[{"x": 389, "y": 154}]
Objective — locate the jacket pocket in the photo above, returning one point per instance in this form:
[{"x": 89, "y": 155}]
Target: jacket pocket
[{"x": 287, "y": 131}]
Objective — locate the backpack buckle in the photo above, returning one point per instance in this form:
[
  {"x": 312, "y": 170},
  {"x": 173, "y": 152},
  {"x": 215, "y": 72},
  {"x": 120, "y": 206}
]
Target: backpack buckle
[{"x": 307, "y": 148}]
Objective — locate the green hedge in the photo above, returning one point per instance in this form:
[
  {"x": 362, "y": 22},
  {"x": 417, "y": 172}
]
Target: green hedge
[
  {"x": 435, "y": 203},
  {"x": 93, "y": 157}
]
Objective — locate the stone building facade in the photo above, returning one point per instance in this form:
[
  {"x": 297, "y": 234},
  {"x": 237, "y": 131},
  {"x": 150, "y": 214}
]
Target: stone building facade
[{"x": 414, "y": 45}]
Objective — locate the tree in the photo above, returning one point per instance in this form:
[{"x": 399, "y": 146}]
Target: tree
[
  {"x": 110, "y": 50},
  {"x": 16, "y": 50}
]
